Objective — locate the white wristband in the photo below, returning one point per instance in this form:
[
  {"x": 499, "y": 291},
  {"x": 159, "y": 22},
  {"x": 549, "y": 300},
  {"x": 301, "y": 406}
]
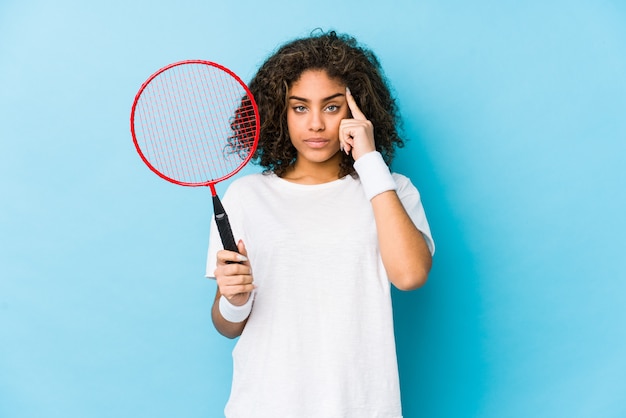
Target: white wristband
[
  {"x": 374, "y": 174},
  {"x": 233, "y": 313}
]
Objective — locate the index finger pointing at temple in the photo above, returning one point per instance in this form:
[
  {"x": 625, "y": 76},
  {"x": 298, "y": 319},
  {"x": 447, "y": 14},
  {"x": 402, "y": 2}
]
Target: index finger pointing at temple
[{"x": 354, "y": 108}]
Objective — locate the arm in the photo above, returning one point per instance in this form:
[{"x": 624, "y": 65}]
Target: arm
[
  {"x": 224, "y": 327},
  {"x": 404, "y": 251},
  {"x": 235, "y": 283},
  {"x": 405, "y": 255}
]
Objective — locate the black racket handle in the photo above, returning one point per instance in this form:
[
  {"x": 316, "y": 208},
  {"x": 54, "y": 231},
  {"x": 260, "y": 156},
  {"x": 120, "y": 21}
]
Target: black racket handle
[{"x": 223, "y": 225}]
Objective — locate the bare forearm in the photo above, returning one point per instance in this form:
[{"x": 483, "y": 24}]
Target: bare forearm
[{"x": 404, "y": 252}]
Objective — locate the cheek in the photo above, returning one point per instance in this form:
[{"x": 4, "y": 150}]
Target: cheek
[{"x": 335, "y": 122}]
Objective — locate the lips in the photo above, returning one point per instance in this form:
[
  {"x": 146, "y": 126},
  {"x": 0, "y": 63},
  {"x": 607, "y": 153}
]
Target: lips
[{"x": 317, "y": 142}]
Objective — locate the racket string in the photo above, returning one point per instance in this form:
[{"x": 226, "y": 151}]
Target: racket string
[{"x": 195, "y": 123}]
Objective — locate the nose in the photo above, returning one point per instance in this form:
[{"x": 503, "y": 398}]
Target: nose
[{"x": 316, "y": 122}]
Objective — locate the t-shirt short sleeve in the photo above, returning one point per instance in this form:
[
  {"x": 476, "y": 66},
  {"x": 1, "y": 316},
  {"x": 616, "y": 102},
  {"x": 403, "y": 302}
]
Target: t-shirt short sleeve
[{"x": 412, "y": 202}]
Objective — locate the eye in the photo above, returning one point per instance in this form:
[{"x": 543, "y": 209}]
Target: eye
[
  {"x": 299, "y": 109},
  {"x": 332, "y": 108}
]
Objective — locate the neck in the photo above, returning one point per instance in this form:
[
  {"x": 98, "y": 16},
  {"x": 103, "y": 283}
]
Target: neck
[{"x": 307, "y": 172}]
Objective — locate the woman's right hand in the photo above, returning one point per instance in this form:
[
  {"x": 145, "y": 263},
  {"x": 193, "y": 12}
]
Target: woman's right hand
[{"x": 234, "y": 275}]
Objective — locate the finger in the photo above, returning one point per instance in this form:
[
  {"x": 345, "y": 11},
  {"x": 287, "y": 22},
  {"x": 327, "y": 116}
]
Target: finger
[
  {"x": 234, "y": 271},
  {"x": 233, "y": 279},
  {"x": 347, "y": 147},
  {"x": 226, "y": 283},
  {"x": 245, "y": 283},
  {"x": 241, "y": 247},
  {"x": 239, "y": 291},
  {"x": 225, "y": 256},
  {"x": 343, "y": 145},
  {"x": 236, "y": 291},
  {"x": 354, "y": 108}
]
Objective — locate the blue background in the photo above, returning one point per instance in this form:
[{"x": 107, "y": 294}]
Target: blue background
[{"x": 516, "y": 117}]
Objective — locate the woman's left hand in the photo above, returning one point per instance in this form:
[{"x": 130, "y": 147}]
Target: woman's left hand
[{"x": 356, "y": 135}]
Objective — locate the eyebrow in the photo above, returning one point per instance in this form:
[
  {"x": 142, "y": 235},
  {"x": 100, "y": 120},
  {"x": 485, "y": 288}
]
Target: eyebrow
[{"x": 302, "y": 99}]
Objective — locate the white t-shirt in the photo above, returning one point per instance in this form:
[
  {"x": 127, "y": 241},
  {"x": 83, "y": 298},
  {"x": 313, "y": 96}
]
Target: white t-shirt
[{"x": 319, "y": 341}]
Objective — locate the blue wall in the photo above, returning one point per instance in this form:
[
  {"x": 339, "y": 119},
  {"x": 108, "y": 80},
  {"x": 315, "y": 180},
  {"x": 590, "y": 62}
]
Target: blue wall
[{"x": 516, "y": 114}]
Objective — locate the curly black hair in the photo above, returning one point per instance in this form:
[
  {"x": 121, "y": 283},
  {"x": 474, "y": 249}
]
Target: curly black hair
[{"x": 342, "y": 58}]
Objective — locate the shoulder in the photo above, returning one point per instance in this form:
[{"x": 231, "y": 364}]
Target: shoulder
[{"x": 250, "y": 181}]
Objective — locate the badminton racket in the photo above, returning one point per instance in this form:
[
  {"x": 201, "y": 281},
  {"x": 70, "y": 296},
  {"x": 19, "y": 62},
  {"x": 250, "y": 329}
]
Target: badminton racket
[{"x": 195, "y": 123}]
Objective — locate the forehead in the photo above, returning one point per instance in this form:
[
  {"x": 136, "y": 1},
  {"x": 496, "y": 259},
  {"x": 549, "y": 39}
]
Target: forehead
[{"x": 314, "y": 81}]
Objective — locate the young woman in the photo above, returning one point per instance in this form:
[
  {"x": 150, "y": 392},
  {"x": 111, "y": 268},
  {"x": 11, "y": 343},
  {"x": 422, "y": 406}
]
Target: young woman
[{"x": 323, "y": 231}]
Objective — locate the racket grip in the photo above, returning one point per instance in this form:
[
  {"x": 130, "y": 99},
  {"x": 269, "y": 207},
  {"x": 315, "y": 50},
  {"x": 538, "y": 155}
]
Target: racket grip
[{"x": 223, "y": 225}]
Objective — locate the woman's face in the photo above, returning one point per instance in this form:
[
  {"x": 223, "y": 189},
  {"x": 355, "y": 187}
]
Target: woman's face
[{"x": 316, "y": 106}]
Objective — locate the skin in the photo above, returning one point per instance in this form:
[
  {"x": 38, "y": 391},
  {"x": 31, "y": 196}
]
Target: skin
[{"x": 324, "y": 119}]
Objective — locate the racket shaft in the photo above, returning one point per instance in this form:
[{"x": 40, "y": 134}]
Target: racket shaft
[{"x": 223, "y": 225}]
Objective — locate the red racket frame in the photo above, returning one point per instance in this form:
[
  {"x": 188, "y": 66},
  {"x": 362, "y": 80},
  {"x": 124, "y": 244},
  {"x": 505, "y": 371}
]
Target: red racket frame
[{"x": 210, "y": 183}]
